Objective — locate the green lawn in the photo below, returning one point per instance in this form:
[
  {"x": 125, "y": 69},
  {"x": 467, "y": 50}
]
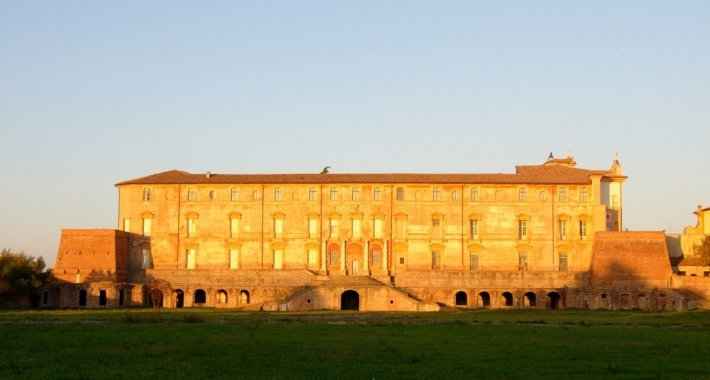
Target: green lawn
[{"x": 76, "y": 344}]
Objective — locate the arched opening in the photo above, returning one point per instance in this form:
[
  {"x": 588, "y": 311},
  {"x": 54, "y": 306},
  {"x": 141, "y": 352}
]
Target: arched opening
[
  {"x": 506, "y": 299},
  {"x": 244, "y": 297},
  {"x": 222, "y": 296},
  {"x": 530, "y": 299},
  {"x": 350, "y": 300},
  {"x": 155, "y": 298},
  {"x": 484, "y": 299},
  {"x": 553, "y": 300},
  {"x": 82, "y": 297},
  {"x": 200, "y": 296},
  {"x": 461, "y": 299},
  {"x": 179, "y": 297}
]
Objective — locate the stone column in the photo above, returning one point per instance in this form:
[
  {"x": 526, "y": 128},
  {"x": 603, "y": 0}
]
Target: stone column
[
  {"x": 324, "y": 258},
  {"x": 342, "y": 259},
  {"x": 384, "y": 257},
  {"x": 366, "y": 265}
]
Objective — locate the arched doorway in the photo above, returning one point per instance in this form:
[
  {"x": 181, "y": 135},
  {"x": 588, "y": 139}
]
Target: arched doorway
[
  {"x": 484, "y": 299},
  {"x": 244, "y": 297},
  {"x": 221, "y": 296},
  {"x": 553, "y": 300},
  {"x": 350, "y": 300},
  {"x": 200, "y": 296},
  {"x": 461, "y": 299},
  {"x": 179, "y": 297},
  {"x": 354, "y": 264},
  {"x": 506, "y": 299},
  {"x": 530, "y": 299}
]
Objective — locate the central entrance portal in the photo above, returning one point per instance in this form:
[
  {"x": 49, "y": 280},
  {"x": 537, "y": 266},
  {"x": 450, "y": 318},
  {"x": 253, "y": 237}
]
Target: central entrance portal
[{"x": 350, "y": 300}]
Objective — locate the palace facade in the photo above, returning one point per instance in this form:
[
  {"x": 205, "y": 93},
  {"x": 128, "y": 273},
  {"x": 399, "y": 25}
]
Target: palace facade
[{"x": 367, "y": 242}]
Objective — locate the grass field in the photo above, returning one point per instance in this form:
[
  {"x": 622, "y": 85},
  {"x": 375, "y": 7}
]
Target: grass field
[{"x": 215, "y": 344}]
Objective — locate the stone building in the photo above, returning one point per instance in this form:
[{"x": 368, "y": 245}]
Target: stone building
[{"x": 369, "y": 242}]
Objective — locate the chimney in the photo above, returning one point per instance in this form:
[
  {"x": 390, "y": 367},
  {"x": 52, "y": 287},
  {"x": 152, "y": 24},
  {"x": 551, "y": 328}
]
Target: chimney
[{"x": 209, "y": 174}]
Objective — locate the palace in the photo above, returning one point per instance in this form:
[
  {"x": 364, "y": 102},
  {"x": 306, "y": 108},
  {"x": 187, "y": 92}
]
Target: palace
[{"x": 545, "y": 236}]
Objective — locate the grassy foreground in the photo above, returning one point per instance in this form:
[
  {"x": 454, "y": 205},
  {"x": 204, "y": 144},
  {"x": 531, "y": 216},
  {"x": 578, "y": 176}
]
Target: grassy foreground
[{"x": 213, "y": 344}]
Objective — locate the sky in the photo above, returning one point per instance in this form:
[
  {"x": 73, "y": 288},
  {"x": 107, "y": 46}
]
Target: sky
[{"x": 94, "y": 93}]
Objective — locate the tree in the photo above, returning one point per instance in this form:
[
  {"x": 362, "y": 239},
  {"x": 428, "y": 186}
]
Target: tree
[
  {"x": 22, "y": 276},
  {"x": 157, "y": 289},
  {"x": 703, "y": 250}
]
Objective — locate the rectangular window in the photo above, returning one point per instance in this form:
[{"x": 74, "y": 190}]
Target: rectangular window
[
  {"x": 563, "y": 230},
  {"x": 379, "y": 231},
  {"x": 522, "y": 229},
  {"x": 435, "y": 260},
  {"x": 436, "y": 228},
  {"x": 147, "y": 226},
  {"x": 377, "y": 194},
  {"x": 146, "y": 194},
  {"x": 436, "y": 194},
  {"x": 583, "y": 229},
  {"x": 400, "y": 257},
  {"x": 278, "y": 259},
  {"x": 190, "y": 260},
  {"x": 523, "y": 194},
  {"x": 145, "y": 260},
  {"x": 312, "y": 228},
  {"x": 563, "y": 262},
  {"x": 356, "y": 193},
  {"x": 233, "y": 259},
  {"x": 234, "y": 227},
  {"x": 474, "y": 229},
  {"x": 191, "y": 227},
  {"x": 191, "y": 194},
  {"x": 333, "y": 194},
  {"x": 523, "y": 261},
  {"x": 399, "y": 229},
  {"x": 312, "y": 256},
  {"x": 615, "y": 201},
  {"x": 474, "y": 194},
  {"x": 474, "y": 260},
  {"x": 583, "y": 194},
  {"x": 356, "y": 228},
  {"x": 278, "y": 228},
  {"x": 312, "y": 194},
  {"x": 376, "y": 258},
  {"x": 127, "y": 225},
  {"x": 563, "y": 194},
  {"x": 400, "y": 193},
  {"x": 334, "y": 228},
  {"x": 234, "y": 194},
  {"x": 334, "y": 257},
  {"x": 277, "y": 194}
]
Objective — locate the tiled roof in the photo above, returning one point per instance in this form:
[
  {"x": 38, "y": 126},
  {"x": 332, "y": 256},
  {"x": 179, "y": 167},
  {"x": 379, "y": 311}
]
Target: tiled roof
[{"x": 550, "y": 174}]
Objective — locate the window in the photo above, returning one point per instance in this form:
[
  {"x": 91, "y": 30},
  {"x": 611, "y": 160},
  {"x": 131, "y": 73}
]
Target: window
[
  {"x": 376, "y": 257},
  {"x": 356, "y": 193},
  {"x": 145, "y": 258},
  {"x": 435, "y": 260},
  {"x": 473, "y": 229},
  {"x": 523, "y": 194},
  {"x": 583, "y": 194},
  {"x": 474, "y": 260},
  {"x": 234, "y": 227},
  {"x": 523, "y": 261},
  {"x": 190, "y": 258},
  {"x": 436, "y": 194},
  {"x": 356, "y": 228},
  {"x": 455, "y": 195},
  {"x": 256, "y": 195},
  {"x": 563, "y": 230},
  {"x": 312, "y": 228},
  {"x": 583, "y": 229},
  {"x": 277, "y": 194},
  {"x": 334, "y": 257},
  {"x": 377, "y": 194},
  {"x": 191, "y": 195},
  {"x": 522, "y": 229},
  {"x": 474, "y": 194},
  {"x": 278, "y": 259},
  {"x": 233, "y": 259},
  {"x": 127, "y": 225},
  {"x": 333, "y": 194},
  {"x": 147, "y": 226},
  {"x": 146, "y": 194},
  {"x": 334, "y": 228},
  {"x": 234, "y": 195},
  {"x": 213, "y": 195},
  {"x": 615, "y": 201},
  {"x": 400, "y": 193},
  {"x": 563, "y": 261},
  {"x": 400, "y": 256},
  {"x": 563, "y": 195},
  {"x": 378, "y": 229},
  {"x": 436, "y": 228},
  {"x": 312, "y": 194},
  {"x": 191, "y": 227},
  {"x": 82, "y": 297},
  {"x": 312, "y": 256},
  {"x": 278, "y": 228}
]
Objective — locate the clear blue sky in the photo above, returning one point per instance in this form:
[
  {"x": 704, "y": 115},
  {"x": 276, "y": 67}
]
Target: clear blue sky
[{"x": 93, "y": 93}]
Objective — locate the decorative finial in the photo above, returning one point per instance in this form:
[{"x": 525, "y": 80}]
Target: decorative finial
[
  {"x": 325, "y": 170},
  {"x": 569, "y": 153},
  {"x": 551, "y": 157}
]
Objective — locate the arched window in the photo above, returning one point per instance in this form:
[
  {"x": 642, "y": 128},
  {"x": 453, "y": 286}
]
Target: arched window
[
  {"x": 461, "y": 299},
  {"x": 221, "y": 296},
  {"x": 200, "y": 296},
  {"x": 244, "y": 297}
]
